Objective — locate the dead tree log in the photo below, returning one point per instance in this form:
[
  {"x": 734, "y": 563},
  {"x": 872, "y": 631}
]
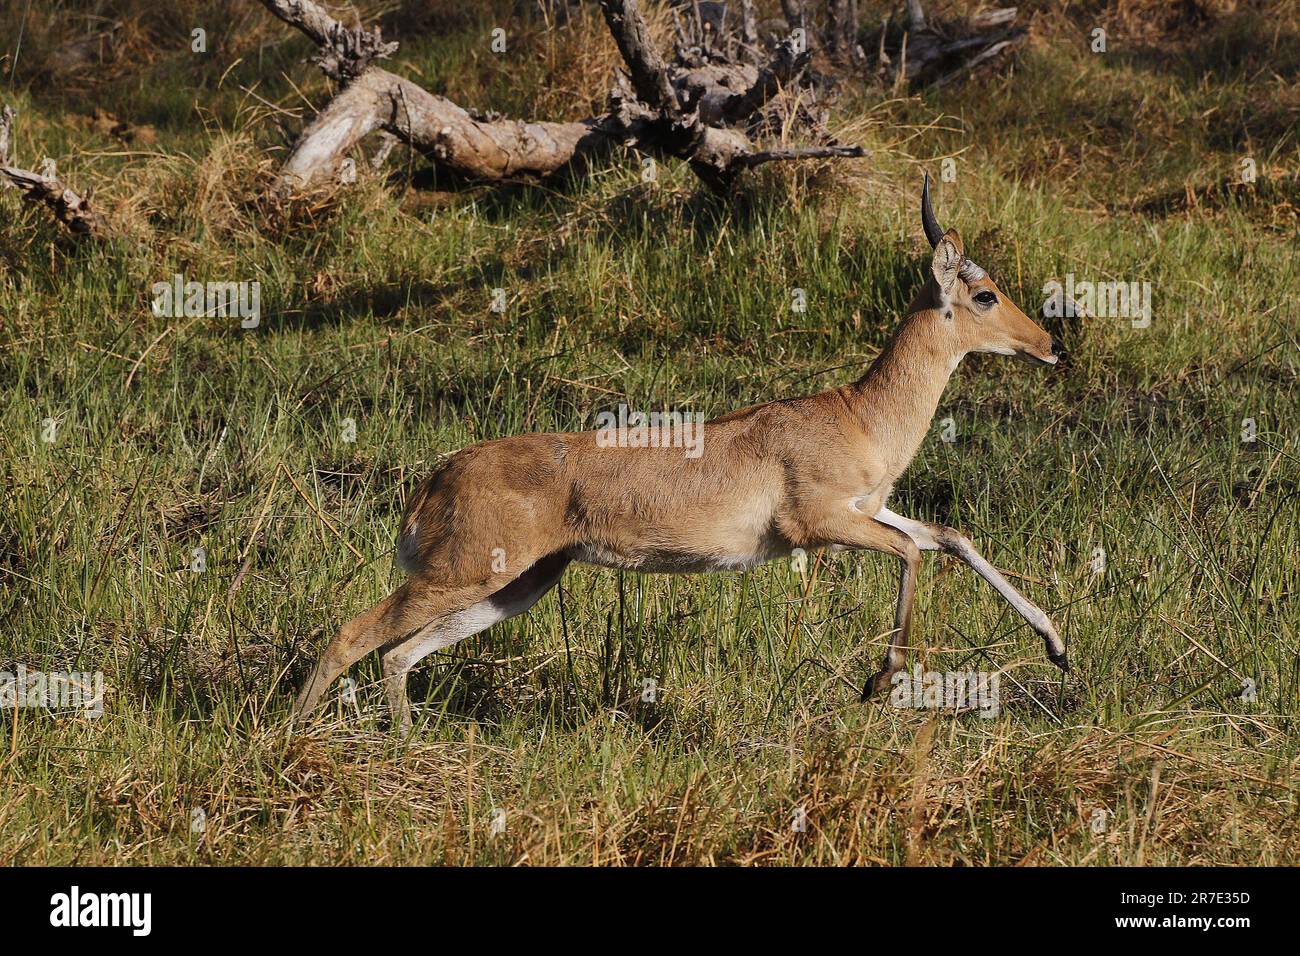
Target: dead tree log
[
  {"x": 842, "y": 32},
  {"x": 931, "y": 53},
  {"x": 44, "y": 187},
  {"x": 914, "y": 51},
  {"x": 694, "y": 114},
  {"x": 475, "y": 149}
]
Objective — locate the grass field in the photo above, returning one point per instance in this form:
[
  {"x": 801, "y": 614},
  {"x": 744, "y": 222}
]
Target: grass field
[{"x": 1119, "y": 488}]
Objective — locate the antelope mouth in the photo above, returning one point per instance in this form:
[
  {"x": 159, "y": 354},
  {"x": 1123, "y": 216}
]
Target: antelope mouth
[{"x": 1034, "y": 358}]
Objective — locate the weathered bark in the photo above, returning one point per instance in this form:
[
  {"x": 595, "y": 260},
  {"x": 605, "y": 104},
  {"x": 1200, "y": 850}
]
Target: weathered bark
[
  {"x": 45, "y": 187},
  {"x": 647, "y": 69},
  {"x": 787, "y": 63},
  {"x": 931, "y": 54},
  {"x": 748, "y": 24},
  {"x": 688, "y": 114},
  {"x": 842, "y": 31},
  {"x": 344, "y": 54},
  {"x": 985, "y": 54},
  {"x": 917, "y": 51},
  {"x": 379, "y": 100},
  {"x": 794, "y": 14}
]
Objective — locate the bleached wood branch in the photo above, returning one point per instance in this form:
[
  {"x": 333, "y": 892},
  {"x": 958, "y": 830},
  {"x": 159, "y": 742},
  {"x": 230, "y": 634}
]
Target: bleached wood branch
[
  {"x": 688, "y": 114},
  {"x": 44, "y": 187}
]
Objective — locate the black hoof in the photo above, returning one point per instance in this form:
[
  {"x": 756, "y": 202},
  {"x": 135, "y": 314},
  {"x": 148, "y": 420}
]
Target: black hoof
[
  {"x": 874, "y": 686},
  {"x": 1060, "y": 661}
]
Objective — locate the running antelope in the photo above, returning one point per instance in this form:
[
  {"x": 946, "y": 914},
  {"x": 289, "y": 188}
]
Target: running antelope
[{"x": 493, "y": 529}]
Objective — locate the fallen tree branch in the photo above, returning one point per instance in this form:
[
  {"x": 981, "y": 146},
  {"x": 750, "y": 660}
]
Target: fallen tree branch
[
  {"x": 68, "y": 206},
  {"x": 648, "y": 70},
  {"x": 986, "y": 54},
  {"x": 785, "y": 65},
  {"x": 750, "y": 160},
  {"x": 7, "y": 116},
  {"x": 690, "y": 114},
  {"x": 344, "y": 54},
  {"x": 913, "y": 50},
  {"x": 930, "y": 53},
  {"x": 474, "y": 149}
]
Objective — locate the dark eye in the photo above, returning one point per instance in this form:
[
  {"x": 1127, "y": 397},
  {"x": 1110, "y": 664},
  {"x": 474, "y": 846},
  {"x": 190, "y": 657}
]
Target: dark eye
[{"x": 985, "y": 297}]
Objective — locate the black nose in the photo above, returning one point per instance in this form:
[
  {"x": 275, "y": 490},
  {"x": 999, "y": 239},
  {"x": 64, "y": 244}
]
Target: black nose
[{"x": 1062, "y": 356}]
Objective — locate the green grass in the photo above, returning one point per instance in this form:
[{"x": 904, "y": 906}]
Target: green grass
[{"x": 376, "y": 308}]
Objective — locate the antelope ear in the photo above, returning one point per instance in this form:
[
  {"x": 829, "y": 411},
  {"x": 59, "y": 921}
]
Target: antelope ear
[
  {"x": 947, "y": 261},
  {"x": 955, "y": 238}
]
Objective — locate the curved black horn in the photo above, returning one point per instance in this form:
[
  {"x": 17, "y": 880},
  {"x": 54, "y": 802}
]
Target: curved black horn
[{"x": 932, "y": 230}]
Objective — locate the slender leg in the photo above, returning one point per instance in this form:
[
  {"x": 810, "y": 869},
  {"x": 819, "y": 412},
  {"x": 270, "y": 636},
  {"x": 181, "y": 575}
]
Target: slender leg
[
  {"x": 933, "y": 537},
  {"x": 407, "y": 609},
  {"x": 895, "y": 654},
  {"x": 853, "y": 529},
  {"x": 403, "y": 654},
  {"x": 518, "y": 596}
]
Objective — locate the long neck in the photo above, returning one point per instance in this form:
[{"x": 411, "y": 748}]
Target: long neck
[{"x": 896, "y": 399}]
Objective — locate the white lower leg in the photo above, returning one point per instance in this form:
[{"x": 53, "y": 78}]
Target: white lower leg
[
  {"x": 515, "y": 598},
  {"x": 397, "y": 661},
  {"x": 930, "y": 537}
]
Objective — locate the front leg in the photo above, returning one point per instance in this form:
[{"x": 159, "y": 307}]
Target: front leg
[
  {"x": 934, "y": 537},
  {"x": 856, "y": 530}
]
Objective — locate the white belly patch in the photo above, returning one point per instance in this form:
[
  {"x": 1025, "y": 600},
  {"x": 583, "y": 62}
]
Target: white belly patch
[{"x": 673, "y": 562}]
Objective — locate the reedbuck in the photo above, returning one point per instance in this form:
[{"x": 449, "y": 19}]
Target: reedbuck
[{"x": 493, "y": 529}]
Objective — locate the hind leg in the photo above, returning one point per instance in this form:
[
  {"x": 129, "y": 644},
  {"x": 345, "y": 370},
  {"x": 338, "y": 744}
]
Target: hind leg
[
  {"x": 408, "y": 609},
  {"x": 515, "y": 598}
]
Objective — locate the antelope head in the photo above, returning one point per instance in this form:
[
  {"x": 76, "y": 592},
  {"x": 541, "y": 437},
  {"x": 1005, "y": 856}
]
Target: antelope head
[{"x": 980, "y": 315}]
